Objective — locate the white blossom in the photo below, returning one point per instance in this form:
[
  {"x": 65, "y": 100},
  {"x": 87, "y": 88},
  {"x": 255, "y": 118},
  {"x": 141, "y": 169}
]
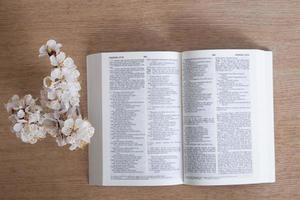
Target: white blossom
[
  {"x": 49, "y": 47},
  {"x": 59, "y": 114},
  {"x": 31, "y": 133},
  {"x": 26, "y": 118},
  {"x": 18, "y": 127},
  {"x": 56, "y": 74},
  {"x": 77, "y": 132},
  {"x": 15, "y": 103},
  {"x": 70, "y": 74},
  {"x": 57, "y": 60},
  {"x": 52, "y": 123}
]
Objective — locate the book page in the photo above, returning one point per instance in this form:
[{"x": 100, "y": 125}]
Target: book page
[
  {"x": 141, "y": 109},
  {"x": 227, "y": 117}
]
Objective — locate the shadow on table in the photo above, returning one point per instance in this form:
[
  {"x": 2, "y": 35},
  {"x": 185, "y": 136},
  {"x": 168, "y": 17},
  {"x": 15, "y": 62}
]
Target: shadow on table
[{"x": 174, "y": 36}]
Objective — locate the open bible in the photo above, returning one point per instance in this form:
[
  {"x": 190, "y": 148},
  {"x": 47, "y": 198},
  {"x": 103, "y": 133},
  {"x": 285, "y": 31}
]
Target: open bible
[{"x": 201, "y": 117}]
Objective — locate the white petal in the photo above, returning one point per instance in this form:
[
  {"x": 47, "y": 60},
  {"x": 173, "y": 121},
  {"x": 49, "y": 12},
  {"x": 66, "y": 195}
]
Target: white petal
[
  {"x": 70, "y": 139},
  {"x": 73, "y": 147},
  {"x": 66, "y": 96},
  {"x": 74, "y": 101},
  {"x": 53, "y": 60},
  {"x": 15, "y": 98},
  {"x": 51, "y": 94},
  {"x": 60, "y": 57},
  {"x": 69, "y": 63},
  {"x": 66, "y": 71},
  {"x": 16, "y": 106},
  {"x": 26, "y": 137},
  {"x": 43, "y": 50},
  {"x": 52, "y": 131},
  {"x": 51, "y": 44},
  {"x": 13, "y": 104},
  {"x": 41, "y": 133},
  {"x": 34, "y": 117},
  {"x": 79, "y": 123},
  {"x": 91, "y": 131},
  {"x": 18, "y": 127},
  {"x": 13, "y": 119},
  {"x": 69, "y": 122},
  {"x": 36, "y": 108},
  {"x": 75, "y": 73},
  {"x": 21, "y": 103},
  {"x": 55, "y": 105},
  {"x": 56, "y": 74},
  {"x": 57, "y": 47},
  {"x": 33, "y": 141},
  {"x": 29, "y": 100},
  {"x": 20, "y": 114},
  {"x": 60, "y": 141},
  {"x": 66, "y": 131},
  {"x": 86, "y": 139},
  {"x": 68, "y": 127},
  {"x": 9, "y": 107},
  {"x": 71, "y": 75},
  {"x": 74, "y": 87},
  {"x": 59, "y": 94}
]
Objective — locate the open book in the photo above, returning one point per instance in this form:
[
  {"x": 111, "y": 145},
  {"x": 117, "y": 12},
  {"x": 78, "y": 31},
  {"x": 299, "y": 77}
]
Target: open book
[{"x": 200, "y": 117}]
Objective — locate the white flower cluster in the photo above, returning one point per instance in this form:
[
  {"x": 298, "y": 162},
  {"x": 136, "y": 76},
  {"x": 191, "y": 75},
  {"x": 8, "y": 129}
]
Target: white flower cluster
[
  {"x": 59, "y": 113},
  {"x": 26, "y": 118}
]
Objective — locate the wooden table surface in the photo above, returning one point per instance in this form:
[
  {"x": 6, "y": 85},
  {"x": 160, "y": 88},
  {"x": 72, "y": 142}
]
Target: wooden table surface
[{"x": 44, "y": 171}]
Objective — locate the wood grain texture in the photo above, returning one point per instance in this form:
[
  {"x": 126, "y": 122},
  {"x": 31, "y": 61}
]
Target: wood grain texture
[{"x": 44, "y": 171}]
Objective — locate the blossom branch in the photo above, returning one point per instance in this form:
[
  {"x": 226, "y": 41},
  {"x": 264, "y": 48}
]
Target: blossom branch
[{"x": 58, "y": 113}]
